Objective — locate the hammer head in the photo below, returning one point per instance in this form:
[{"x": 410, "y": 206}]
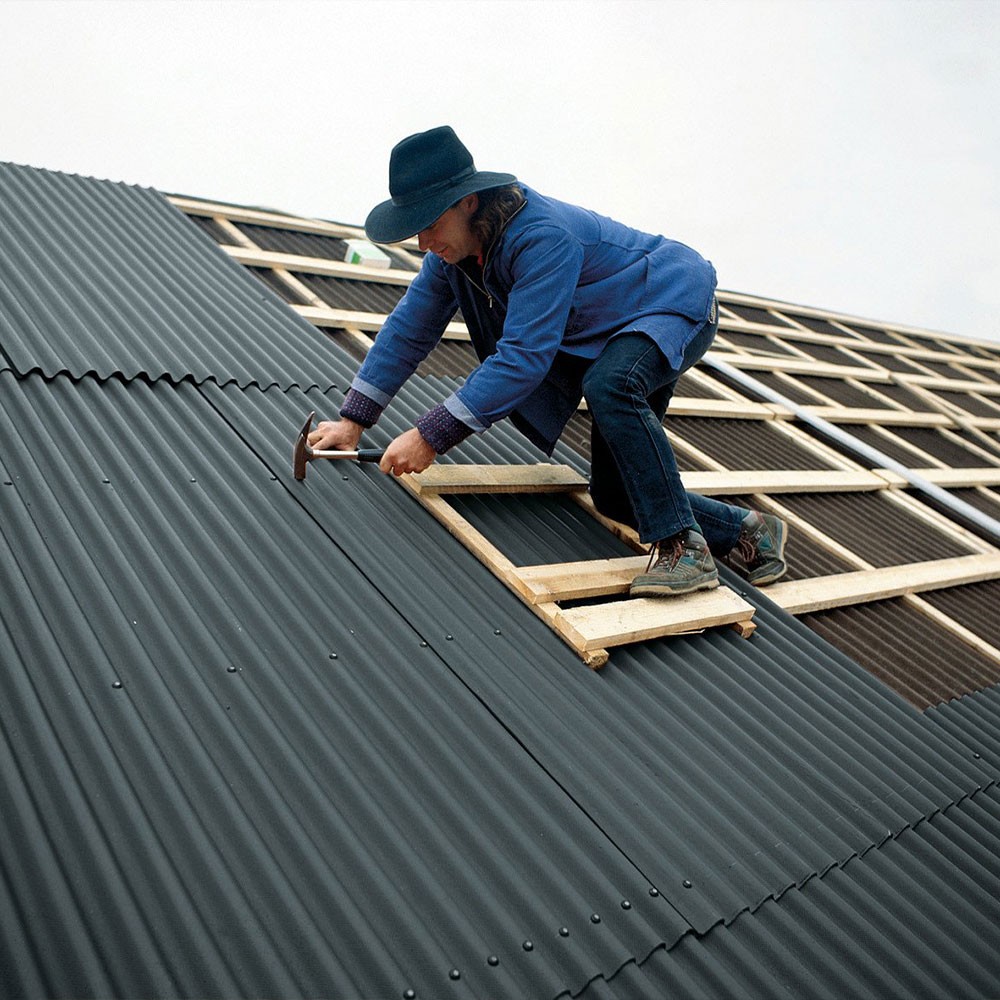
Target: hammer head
[{"x": 301, "y": 452}]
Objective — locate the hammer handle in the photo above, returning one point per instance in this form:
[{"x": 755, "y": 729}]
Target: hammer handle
[{"x": 370, "y": 455}]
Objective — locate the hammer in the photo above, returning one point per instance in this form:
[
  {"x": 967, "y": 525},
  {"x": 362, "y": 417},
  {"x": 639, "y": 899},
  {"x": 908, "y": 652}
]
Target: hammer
[{"x": 302, "y": 453}]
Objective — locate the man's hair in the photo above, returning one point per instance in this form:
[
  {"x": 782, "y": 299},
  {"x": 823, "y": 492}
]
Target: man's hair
[{"x": 496, "y": 206}]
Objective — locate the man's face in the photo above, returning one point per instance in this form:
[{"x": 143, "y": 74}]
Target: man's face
[{"x": 450, "y": 236}]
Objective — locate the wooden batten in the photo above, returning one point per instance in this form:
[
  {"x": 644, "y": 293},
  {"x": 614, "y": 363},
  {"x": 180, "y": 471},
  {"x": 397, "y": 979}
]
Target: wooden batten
[
  {"x": 541, "y": 478},
  {"x": 577, "y": 580},
  {"x": 254, "y": 257},
  {"x": 802, "y": 596},
  {"x": 728, "y": 483},
  {"x": 602, "y": 626},
  {"x": 959, "y": 478},
  {"x": 364, "y": 321},
  {"x": 879, "y": 417}
]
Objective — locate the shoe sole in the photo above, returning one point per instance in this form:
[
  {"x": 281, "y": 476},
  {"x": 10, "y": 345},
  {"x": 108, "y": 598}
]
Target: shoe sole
[
  {"x": 660, "y": 589},
  {"x": 781, "y": 530}
]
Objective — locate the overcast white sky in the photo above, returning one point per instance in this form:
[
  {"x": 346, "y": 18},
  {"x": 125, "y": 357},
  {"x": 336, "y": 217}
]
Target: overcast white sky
[{"x": 835, "y": 153}]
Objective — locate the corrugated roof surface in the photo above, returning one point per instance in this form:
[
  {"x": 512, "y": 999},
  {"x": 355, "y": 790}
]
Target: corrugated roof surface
[
  {"x": 861, "y": 930},
  {"x": 745, "y": 444},
  {"x": 909, "y": 651},
  {"x": 876, "y": 527},
  {"x": 268, "y": 737},
  {"x": 112, "y": 279}
]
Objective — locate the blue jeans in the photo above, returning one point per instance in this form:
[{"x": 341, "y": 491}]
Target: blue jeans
[{"x": 634, "y": 477}]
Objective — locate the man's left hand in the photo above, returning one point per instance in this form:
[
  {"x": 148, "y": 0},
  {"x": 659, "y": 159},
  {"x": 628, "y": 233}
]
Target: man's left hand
[{"x": 407, "y": 453}]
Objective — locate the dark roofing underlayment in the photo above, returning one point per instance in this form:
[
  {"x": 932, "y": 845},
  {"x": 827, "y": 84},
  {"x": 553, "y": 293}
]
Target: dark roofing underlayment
[{"x": 267, "y": 737}]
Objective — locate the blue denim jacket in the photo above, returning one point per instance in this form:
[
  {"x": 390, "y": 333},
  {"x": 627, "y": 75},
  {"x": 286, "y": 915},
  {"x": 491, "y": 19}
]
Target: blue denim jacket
[{"x": 557, "y": 284}]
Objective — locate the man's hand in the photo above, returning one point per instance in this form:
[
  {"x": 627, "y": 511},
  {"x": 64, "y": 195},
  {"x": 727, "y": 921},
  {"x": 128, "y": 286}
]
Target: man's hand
[
  {"x": 335, "y": 435},
  {"x": 407, "y": 453}
]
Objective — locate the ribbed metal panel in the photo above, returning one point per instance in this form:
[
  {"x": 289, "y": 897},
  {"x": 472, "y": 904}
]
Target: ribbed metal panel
[
  {"x": 891, "y": 361},
  {"x": 875, "y": 334},
  {"x": 903, "y": 396},
  {"x": 814, "y": 323},
  {"x": 282, "y": 289},
  {"x": 991, "y": 374},
  {"x": 805, "y": 559},
  {"x": 907, "y": 650},
  {"x": 985, "y": 500},
  {"x": 915, "y": 918},
  {"x": 294, "y": 241},
  {"x": 945, "y": 370},
  {"x": 875, "y": 527},
  {"x": 745, "y": 444},
  {"x": 212, "y": 228},
  {"x": 450, "y": 359},
  {"x": 756, "y": 343},
  {"x": 699, "y": 388},
  {"x": 90, "y": 274},
  {"x": 753, "y": 314},
  {"x": 974, "y": 719},
  {"x": 828, "y": 354}
]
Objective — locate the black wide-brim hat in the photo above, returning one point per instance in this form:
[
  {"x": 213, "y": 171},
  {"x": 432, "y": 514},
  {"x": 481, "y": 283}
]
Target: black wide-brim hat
[{"x": 428, "y": 173}]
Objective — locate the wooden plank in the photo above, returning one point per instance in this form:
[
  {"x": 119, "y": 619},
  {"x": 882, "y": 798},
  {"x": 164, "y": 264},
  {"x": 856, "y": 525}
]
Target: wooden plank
[
  {"x": 949, "y": 384},
  {"x": 879, "y": 417},
  {"x": 261, "y": 217},
  {"x": 691, "y": 406},
  {"x": 600, "y": 626},
  {"x": 782, "y": 481},
  {"x": 752, "y": 362},
  {"x": 256, "y": 257},
  {"x": 838, "y": 590},
  {"x": 365, "y": 321},
  {"x": 539, "y": 478},
  {"x": 987, "y": 476},
  {"x": 574, "y": 580},
  {"x": 470, "y": 536}
]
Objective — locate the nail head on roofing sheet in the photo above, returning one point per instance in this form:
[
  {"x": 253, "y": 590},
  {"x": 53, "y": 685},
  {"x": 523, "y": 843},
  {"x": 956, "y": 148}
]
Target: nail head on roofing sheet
[{"x": 302, "y": 454}]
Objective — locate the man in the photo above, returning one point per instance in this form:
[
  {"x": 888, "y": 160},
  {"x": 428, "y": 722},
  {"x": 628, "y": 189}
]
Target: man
[{"x": 561, "y": 303}]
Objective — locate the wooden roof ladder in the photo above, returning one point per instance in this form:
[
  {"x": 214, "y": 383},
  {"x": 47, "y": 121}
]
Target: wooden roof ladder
[{"x": 590, "y": 629}]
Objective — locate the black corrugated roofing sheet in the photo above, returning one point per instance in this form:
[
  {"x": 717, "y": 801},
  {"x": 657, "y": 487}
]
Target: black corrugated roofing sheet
[
  {"x": 887, "y": 924},
  {"x": 291, "y": 792},
  {"x": 367, "y": 823},
  {"x": 112, "y": 279}
]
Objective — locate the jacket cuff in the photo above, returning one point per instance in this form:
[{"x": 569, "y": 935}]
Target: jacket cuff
[
  {"x": 441, "y": 429},
  {"x": 360, "y": 408}
]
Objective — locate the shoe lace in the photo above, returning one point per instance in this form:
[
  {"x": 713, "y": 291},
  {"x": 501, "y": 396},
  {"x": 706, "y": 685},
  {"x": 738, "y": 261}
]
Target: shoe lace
[
  {"x": 670, "y": 549},
  {"x": 747, "y": 549}
]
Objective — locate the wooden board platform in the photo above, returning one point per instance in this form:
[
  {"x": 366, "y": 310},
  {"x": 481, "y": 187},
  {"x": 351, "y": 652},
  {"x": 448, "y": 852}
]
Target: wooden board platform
[{"x": 590, "y": 629}]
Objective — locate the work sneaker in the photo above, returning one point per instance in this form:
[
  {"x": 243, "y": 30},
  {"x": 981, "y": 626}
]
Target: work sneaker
[
  {"x": 677, "y": 565},
  {"x": 758, "y": 555}
]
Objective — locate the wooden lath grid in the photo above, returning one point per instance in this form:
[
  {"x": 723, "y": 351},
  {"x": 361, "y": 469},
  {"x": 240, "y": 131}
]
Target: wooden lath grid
[{"x": 553, "y": 590}]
